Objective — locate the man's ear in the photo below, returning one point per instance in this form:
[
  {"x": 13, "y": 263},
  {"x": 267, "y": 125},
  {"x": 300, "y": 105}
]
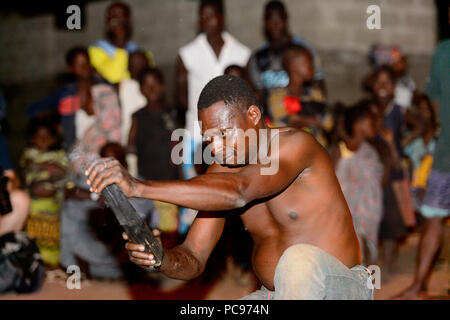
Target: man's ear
[{"x": 254, "y": 114}]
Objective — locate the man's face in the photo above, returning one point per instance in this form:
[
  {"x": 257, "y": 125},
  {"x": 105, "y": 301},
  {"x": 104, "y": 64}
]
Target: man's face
[
  {"x": 400, "y": 67},
  {"x": 366, "y": 125},
  {"x": 118, "y": 21},
  {"x": 424, "y": 111},
  {"x": 223, "y": 130},
  {"x": 275, "y": 25},
  {"x": 383, "y": 87},
  {"x": 211, "y": 22},
  {"x": 81, "y": 67},
  {"x": 301, "y": 68},
  {"x": 152, "y": 89}
]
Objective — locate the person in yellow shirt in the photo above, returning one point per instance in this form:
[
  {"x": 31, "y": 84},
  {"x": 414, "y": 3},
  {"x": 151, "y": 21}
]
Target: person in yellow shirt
[{"x": 110, "y": 56}]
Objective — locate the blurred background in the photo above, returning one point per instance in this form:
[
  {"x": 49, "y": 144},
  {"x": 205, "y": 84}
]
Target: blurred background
[
  {"x": 34, "y": 40},
  {"x": 350, "y": 58}
]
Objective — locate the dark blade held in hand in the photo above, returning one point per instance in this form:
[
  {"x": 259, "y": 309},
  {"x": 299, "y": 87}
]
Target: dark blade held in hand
[{"x": 135, "y": 227}]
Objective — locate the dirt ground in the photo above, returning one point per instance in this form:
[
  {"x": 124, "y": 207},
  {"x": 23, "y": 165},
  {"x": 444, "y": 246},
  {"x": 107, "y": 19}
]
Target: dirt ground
[{"x": 233, "y": 284}]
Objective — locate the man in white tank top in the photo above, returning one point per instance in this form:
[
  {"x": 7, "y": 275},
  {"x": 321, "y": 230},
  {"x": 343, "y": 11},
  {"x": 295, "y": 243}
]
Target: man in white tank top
[{"x": 199, "y": 61}]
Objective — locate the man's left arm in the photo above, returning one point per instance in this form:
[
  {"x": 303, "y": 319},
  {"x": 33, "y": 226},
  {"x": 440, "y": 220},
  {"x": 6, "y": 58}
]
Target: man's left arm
[{"x": 214, "y": 191}]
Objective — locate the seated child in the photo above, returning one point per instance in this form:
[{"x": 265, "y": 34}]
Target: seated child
[{"x": 44, "y": 166}]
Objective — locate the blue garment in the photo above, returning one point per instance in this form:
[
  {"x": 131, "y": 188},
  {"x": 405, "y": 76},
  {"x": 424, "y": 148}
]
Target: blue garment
[
  {"x": 51, "y": 103},
  {"x": 110, "y": 49},
  {"x": 266, "y": 67},
  {"x": 2, "y": 107},
  {"x": 416, "y": 150},
  {"x": 393, "y": 119},
  {"x": 5, "y": 157}
]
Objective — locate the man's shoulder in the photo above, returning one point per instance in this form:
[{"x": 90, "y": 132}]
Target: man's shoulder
[
  {"x": 192, "y": 50},
  {"x": 236, "y": 43},
  {"x": 290, "y": 133},
  {"x": 193, "y": 44},
  {"x": 296, "y": 40},
  {"x": 292, "y": 140},
  {"x": 263, "y": 48}
]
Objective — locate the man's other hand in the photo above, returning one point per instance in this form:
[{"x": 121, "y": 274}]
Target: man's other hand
[
  {"x": 106, "y": 171},
  {"x": 137, "y": 254}
]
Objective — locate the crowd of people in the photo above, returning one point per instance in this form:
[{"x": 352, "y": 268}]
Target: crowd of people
[{"x": 391, "y": 150}]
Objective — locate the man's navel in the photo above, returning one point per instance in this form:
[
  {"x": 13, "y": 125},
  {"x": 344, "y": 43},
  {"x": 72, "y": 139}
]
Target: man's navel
[{"x": 293, "y": 215}]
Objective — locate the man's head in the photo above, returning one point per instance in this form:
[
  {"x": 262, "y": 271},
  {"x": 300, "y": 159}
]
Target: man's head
[
  {"x": 137, "y": 61},
  {"x": 118, "y": 23},
  {"x": 275, "y": 20},
  {"x": 383, "y": 84},
  {"x": 211, "y": 17},
  {"x": 359, "y": 121},
  {"x": 151, "y": 81},
  {"x": 424, "y": 111},
  {"x": 78, "y": 64},
  {"x": 400, "y": 66},
  {"x": 235, "y": 70},
  {"x": 298, "y": 63},
  {"x": 227, "y": 108}
]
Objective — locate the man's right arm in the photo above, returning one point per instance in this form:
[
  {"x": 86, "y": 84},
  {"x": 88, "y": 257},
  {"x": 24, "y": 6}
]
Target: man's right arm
[{"x": 187, "y": 260}]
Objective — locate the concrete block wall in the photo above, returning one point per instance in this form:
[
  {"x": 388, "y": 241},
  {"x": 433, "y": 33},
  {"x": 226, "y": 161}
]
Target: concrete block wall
[{"x": 32, "y": 49}]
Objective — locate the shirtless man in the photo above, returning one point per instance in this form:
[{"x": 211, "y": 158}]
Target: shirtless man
[{"x": 305, "y": 246}]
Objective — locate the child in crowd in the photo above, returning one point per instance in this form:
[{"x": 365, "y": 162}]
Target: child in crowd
[
  {"x": 150, "y": 139},
  {"x": 65, "y": 102},
  {"x": 44, "y": 164},
  {"x": 382, "y": 89},
  {"x": 392, "y": 227},
  {"x": 395, "y": 196},
  {"x": 360, "y": 172},
  {"x": 95, "y": 120},
  {"x": 236, "y": 70},
  {"x": 392, "y": 56},
  {"x": 301, "y": 104},
  {"x": 79, "y": 70},
  {"x": 265, "y": 67},
  {"x": 131, "y": 100},
  {"x": 419, "y": 144}
]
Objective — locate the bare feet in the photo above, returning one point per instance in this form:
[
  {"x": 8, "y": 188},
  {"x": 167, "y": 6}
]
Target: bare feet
[{"x": 413, "y": 292}]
